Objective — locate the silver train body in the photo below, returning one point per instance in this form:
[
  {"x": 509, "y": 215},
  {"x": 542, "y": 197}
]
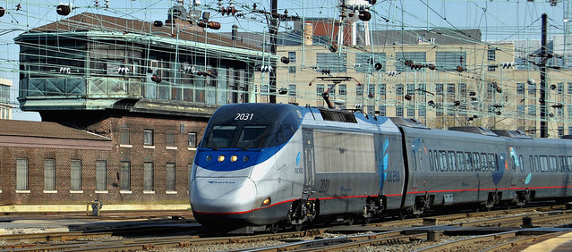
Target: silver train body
[{"x": 264, "y": 166}]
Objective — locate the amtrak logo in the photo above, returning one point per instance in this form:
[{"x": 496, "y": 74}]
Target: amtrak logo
[
  {"x": 221, "y": 182},
  {"x": 298, "y": 159},
  {"x": 342, "y": 189}
]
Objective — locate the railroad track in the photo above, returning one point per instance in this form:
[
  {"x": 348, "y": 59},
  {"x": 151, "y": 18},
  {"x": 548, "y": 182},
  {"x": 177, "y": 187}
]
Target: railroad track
[{"x": 411, "y": 234}]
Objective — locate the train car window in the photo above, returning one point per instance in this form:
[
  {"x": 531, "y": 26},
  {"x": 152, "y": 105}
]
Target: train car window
[
  {"x": 431, "y": 161},
  {"x": 492, "y": 160},
  {"x": 521, "y": 163},
  {"x": 543, "y": 163},
  {"x": 221, "y": 136},
  {"x": 562, "y": 163},
  {"x": 468, "y": 161},
  {"x": 414, "y": 160},
  {"x": 284, "y": 134},
  {"x": 251, "y": 137},
  {"x": 569, "y": 163},
  {"x": 536, "y": 164},
  {"x": 532, "y": 163},
  {"x": 460, "y": 161},
  {"x": 443, "y": 160},
  {"x": 452, "y": 161},
  {"x": 477, "y": 161},
  {"x": 552, "y": 164},
  {"x": 513, "y": 159},
  {"x": 484, "y": 162},
  {"x": 420, "y": 160}
]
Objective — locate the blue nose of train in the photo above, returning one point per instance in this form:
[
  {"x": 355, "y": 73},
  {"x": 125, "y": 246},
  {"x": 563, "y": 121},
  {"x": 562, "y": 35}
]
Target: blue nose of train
[{"x": 222, "y": 195}]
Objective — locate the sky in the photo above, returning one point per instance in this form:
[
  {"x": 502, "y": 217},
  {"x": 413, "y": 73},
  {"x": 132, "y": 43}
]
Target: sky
[{"x": 497, "y": 19}]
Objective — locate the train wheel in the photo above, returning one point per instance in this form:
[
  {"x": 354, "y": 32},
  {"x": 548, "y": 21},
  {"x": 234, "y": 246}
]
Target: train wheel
[
  {"x": 273, "y": 228},
  {"x": 297, "y": 227},
  {"x": 349, "y": 221}
]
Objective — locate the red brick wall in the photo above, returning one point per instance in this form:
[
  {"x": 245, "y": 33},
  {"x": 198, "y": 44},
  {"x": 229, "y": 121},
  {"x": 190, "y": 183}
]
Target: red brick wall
[{"x": 160, "y": 155}]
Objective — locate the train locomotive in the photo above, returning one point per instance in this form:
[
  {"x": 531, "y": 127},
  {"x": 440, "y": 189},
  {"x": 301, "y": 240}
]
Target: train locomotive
[{"x": 268, "y": 166}]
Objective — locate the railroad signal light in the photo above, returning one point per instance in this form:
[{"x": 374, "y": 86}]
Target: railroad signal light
[
  {"x": 378, "y": 66},
  {"x": 156, "y": 78},
  {"x": 285, "y": 60},
  {"x": 2, "y": 11},
  {"x": 158, "y": 23}
]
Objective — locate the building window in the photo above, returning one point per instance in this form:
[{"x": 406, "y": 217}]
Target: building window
[
  {"x": 382, "y": 89},
  {"x": 291, "y": 69},
  {"x": 75, "y": 175},
  {"x": 147, "y": 137},
  {"x": 410, "y": 89},
  {"x": 382, "y": 111},
  {"x": 560, "y": 88},
  {"x": 520, "y": 109},
  {"x": 22, "y": 174},
  {"x": 371, "y": 90},
  {"x": 148, "y": 177},
  {"x": 532, "y": 89},
  {"x": 560, "y": 131},
  {"x": 292, "y": 57},
  {"x": 439, "y": 88},
  {"x": 491, "y": 68},
  {"x": 491, "y": 54},
  {"x": 125, "y": 178},
  {"x": 171, "y": 178},
  {"x": 416, "y": 57},
  {"x": 532, "y": 110},
  {"x": 399, "y": 111},
  {"x": 125, "y": 137},
  {"x": 343, "y": 89},
  {"x": 359, "y": 90},
  {"x": 49, "y": 175},
  {"x": 192, "y": 140},
  {"x": 332, "y": 89},
  {"x": 334, "y": 62},
  {"x": 422, "y": 110},
  {"x": 462, "y": 88},
  {"x": 319, "y": 89},
  {"x": 365, "y": 62},
  {"x": 101, "y": 175},
  {"x": 569, "y": 87},
  {"x": 170, "y": 138},
  {"x": 449, "y": 61},
  {"x": 451, "y": 88},
  {"x": 520, "y": 88},
  {"x": 411, "y": 112},
  {"x": 292, "y": 90},
  {"x": 399, "y": 89}
]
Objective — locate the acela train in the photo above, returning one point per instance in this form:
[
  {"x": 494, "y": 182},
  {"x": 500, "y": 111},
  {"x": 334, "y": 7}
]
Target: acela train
[{"x": 266, "y": 166}]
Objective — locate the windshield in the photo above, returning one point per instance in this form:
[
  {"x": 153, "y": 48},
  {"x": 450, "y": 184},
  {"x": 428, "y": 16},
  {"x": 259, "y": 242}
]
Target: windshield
[
  {"x": 221, "y": 137},
  {"x": 249, "y": 136}
]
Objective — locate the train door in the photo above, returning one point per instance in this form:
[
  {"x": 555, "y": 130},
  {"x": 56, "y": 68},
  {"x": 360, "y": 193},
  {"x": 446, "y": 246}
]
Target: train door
[
  {"x": 414, "y": 162},
  {"x": 309, "y": 171}
]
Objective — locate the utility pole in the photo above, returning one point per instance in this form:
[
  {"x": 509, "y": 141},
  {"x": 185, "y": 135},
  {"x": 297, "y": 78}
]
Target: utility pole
[
  {"x": 273, "y": 41},
  {"x": 543, "y": 58}
]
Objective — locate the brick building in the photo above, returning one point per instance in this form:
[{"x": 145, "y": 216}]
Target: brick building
[{"x": 148, "y": 89}]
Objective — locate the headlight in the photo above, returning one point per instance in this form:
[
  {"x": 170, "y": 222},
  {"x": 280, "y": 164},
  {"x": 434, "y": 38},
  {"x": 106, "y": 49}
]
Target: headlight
[
  {"x": 266, "y": 202},
  {"x": 233, "y": 158},
  {"x": 220, "y": 158}
]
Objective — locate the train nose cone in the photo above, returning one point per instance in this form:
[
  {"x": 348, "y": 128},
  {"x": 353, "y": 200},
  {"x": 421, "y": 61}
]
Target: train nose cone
[{"x": 222, "y": 195}]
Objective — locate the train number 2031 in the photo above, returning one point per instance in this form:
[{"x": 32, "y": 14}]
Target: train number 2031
[
  {"x": 244, "y": 116},
  {"x": 392, "y": 176}
]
